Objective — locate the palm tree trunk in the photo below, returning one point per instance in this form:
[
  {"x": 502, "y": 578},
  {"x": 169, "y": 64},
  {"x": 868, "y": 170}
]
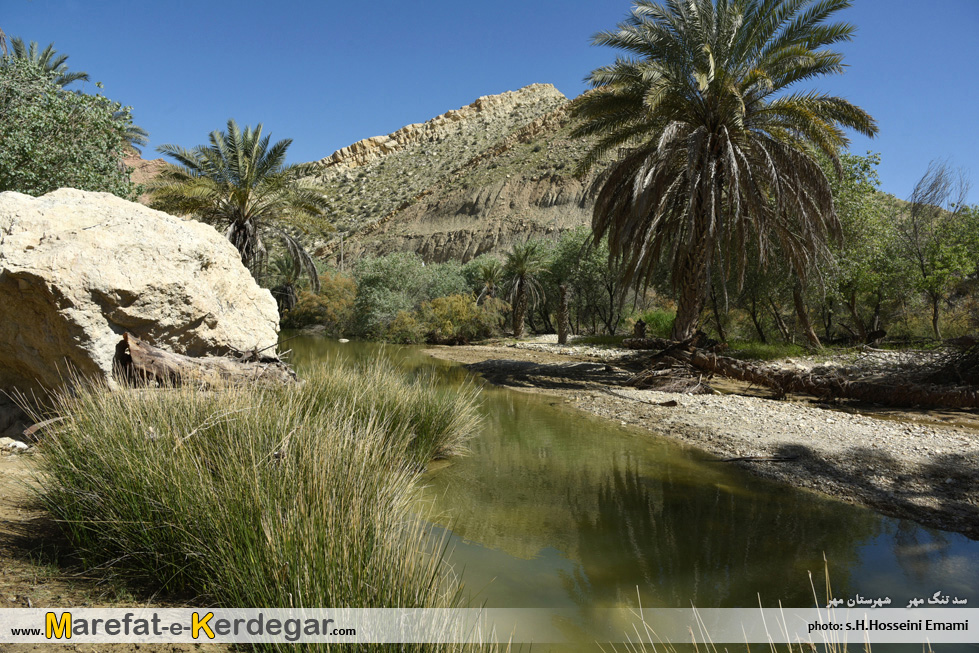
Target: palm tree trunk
[
  {"x": 519, "y": 309},
  {"x": 563, "y": 316},
  {"x": 692, "y": 293}
]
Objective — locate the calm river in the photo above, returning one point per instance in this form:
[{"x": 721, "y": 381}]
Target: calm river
[{"x": 556, "y": 509}]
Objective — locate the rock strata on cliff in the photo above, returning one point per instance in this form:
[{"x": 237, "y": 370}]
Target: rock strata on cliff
[
  {"x": 79, "y": 269},
  {"x": 470, "y": 181}
]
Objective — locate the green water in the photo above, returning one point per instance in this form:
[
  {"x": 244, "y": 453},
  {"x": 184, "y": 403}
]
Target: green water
[{"x": 557, "y": 509}]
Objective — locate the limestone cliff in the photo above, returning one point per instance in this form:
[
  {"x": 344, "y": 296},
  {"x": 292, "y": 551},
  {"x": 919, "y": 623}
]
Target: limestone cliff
[
  {"x": 470, "y": 181},
  {"x": 490, "y": 108}
]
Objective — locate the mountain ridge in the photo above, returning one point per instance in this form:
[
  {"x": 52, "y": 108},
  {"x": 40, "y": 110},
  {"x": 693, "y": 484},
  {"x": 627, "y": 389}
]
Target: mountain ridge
[{"x": 470, "y": 181}]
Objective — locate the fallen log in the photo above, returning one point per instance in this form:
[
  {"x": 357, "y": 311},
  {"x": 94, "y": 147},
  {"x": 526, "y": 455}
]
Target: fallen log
[
  {"x": 904, "y": 395},
  {"x": 211, "y": 371}
]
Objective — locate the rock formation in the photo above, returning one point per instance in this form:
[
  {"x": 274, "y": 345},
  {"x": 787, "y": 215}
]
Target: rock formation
[
  {"x": 471, "y": 181},
  {"x": 144, "y": 171},
  {"x": 484, "y": 110},
  {"x": 79, "y": 269}
]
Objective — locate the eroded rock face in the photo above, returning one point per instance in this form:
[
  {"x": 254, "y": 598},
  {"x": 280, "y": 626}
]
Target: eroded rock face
[
  {"x": 79, "y": 269},
  {"x": 486, "y": 108}
]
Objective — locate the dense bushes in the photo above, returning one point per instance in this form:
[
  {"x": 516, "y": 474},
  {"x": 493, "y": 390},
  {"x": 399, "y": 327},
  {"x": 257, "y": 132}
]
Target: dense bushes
[
  {"x": 452, "y": 320},
  {"x": 332, "y": 307},
  {"x": 51, "y": 138},
  {"x": 399, "y": 282}
]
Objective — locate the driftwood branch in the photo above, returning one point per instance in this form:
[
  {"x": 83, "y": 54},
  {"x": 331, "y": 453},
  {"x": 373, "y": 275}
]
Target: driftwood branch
[{"x": 167, "y": 367}]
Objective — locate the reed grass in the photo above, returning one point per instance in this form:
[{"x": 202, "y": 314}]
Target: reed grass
[{"x": 260, "y": 497}]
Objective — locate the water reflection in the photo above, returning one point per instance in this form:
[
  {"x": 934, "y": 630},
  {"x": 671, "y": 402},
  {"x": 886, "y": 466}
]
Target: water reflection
[
  {"x": 559, "y": 509},
  {"x": 684, "y": 543}
]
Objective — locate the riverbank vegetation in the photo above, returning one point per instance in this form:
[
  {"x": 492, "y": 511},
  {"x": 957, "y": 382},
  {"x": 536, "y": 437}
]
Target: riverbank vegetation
[
  {"x": 903, "y": 273},
  {"x": 296, "y": 496}
]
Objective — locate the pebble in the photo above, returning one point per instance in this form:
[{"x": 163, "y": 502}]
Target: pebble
[{"x": 16, "y": 446}]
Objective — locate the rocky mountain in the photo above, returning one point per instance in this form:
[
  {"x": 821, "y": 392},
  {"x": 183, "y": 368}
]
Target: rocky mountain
[{"x": 471, "y": 181}]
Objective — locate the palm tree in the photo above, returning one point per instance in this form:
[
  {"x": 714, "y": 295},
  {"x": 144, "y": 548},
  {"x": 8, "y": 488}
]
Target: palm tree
[
  {"x": 47, "y": 60},
  {"x": 134, "y": 135},
  {"x": 490, "y": 272},
  {"x": 523, "y": 265},
  {"x": 242, "y": 184},
  {"x": 717, "y": 153}
]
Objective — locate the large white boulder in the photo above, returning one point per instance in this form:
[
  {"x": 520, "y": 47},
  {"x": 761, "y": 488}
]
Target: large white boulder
[{"x": 79, "y": 269}]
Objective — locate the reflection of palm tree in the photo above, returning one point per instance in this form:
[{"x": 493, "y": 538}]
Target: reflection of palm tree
[
  {"x": 47, "y": 60},
  {"x": 681, "y": 543}
]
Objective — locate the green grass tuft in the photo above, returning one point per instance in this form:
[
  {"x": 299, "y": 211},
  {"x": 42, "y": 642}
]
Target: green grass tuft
[{"x": 281, "y": 497}]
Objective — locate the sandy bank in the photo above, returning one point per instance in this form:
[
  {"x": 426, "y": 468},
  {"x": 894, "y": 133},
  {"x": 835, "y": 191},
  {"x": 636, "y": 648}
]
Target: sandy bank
[{"x": 920, "y": 465}]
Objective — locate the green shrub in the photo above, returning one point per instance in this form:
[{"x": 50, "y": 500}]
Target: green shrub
[
  {"x": 659, "y": 322},
  {"x": 399, "y": 282},
  {"x": 457, "y": 319},
  {"x": 299, "y": 496},
  {"x": 405, "y": 329},
  {"x": 51, "y": 138},
  {"x": 332, "y": 307}
]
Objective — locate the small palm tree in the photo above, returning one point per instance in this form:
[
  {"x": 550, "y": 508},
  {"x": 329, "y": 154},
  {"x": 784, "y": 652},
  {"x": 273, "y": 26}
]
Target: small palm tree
[
  {"x": 47, "y": 60},
  {"x": 242, "y": 184},
  {"x": 286, "y": 271},
  {"x": 715, "y": 151},
  {"x": 491, "y": 274},
  {"x": 523, "y": 265}
]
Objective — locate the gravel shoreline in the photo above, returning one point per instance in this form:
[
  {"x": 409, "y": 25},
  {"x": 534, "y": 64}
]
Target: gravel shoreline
[{"x": 920, "y": 465}]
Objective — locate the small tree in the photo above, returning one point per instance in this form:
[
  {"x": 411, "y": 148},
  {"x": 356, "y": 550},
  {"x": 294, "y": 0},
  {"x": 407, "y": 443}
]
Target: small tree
[
  {"x": 935, "y": 235},
  {"x": 240, "y": 183},
  {"x": 50, "y": 138}
]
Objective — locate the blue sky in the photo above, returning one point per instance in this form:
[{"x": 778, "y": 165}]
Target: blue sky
[{"x": 329, "y": 73}]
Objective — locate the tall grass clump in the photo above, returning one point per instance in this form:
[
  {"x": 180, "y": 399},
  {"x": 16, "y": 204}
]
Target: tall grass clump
[
  {"x": 282, "y": 497},
  {"x": 429, "y": 421}
]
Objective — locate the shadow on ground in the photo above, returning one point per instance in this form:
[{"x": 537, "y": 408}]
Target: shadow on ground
[{"x": 939, "y": 494}]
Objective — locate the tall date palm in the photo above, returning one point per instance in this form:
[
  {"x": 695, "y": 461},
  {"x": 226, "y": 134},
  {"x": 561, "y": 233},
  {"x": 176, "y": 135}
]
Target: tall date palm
[
  {"x": 715, "y": 149},
  {"x": 242, "y": 184}
]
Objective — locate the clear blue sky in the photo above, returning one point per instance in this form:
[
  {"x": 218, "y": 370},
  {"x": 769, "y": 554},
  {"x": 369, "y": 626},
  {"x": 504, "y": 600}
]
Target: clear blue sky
[{"x": 329, "y": 73}]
